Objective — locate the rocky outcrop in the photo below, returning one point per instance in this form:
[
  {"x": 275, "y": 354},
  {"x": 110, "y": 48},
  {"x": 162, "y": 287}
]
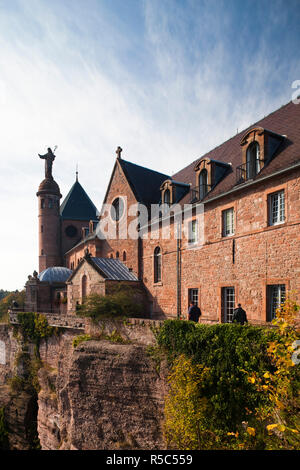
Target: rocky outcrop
[
  {"x": 103, "y": 394},
  {"x": 110, "y": 397}
]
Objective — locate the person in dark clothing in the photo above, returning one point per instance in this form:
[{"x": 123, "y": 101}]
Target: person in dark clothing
[
  {"x": 239, "y": 315},
  {"x": 194, "y": 312}
]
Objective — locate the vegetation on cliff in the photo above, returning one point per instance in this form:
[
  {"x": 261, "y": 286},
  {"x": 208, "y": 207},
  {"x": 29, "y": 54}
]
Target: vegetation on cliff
[{"x": 232, "y": 386}]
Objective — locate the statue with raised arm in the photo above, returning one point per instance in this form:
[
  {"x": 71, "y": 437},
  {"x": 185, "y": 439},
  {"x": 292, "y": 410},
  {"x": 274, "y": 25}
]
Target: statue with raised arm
[{"x": 49, "y": 158}]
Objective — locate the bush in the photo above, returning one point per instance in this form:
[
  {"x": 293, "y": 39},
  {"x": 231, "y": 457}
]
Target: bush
[
  {"x": 80, "y": 339},
  {"x": 118, "y": 304},
  {"x": 226, "y": 350},
  {"x": 35, "y": 327},
  {"x": 230, "y": 385}
]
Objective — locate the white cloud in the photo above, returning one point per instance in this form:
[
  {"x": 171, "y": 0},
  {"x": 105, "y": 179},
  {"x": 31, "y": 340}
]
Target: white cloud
[{"x": 65, "y": 80}]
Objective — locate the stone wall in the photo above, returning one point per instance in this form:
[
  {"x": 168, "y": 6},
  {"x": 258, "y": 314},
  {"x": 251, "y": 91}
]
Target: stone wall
[{"x": 257, "y": 255}]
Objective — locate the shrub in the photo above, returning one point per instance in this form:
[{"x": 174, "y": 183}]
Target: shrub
[
  {"x": 227, "y": 384},
  {"x": 35, "y": 327},
  {"x": 80, "y": 339},
  {"x": 120, "y": 303}
]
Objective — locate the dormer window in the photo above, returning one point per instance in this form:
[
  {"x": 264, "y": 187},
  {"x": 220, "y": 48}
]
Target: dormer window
[
  {"x": 167, "y": 197},
  {"x": 259, "y": 146},
  {"x": 252, "y": 160},
  {"x": 167, "y": 192},
  {"x": 203, "y": 183}
]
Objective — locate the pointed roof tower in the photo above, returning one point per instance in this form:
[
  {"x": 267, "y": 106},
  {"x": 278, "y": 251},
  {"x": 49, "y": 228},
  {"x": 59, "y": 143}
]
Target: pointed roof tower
[{"x": 77, "y": 205}]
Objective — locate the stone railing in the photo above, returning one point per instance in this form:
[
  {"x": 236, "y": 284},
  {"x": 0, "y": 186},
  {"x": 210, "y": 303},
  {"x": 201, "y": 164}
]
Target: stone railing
[{"x": 55, "y": 319}]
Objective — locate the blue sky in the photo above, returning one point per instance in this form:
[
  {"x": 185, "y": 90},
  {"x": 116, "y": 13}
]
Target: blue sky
[{"x": 167, "y": 80}]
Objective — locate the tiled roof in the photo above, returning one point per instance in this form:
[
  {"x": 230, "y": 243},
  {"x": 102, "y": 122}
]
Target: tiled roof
[
  {"x": 77, "y": 205},
  {"x": 284, "y": 121},
  {"x": 114, "y": 269},
  {"x": 145, "y": 183}
]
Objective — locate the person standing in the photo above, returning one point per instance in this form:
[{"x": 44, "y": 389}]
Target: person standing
[
  {"x": 239, "y": 315},
  {"x": 194, "y": 312}
]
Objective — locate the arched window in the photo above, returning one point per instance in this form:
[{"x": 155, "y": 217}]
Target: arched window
[
  {"x": 117, "y": 209},
  {"x": 252, "y": 160},
  {"x": 167, "y": 197},
  {"x": 42, "y": 203},
  {"x": 124, "y": 255},
  {"x": 83, "y": 287},
  {"x": 111, "y": 255},
  {"x": 203, "y": 188},
  {"x": 50, "y": 203},
  {"x": 157, "y": 264},
  {"x": 117, "y": 254}
]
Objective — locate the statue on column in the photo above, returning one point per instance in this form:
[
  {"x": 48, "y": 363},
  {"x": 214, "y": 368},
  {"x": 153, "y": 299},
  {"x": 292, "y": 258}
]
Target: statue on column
[{"x": 49, "y": 159}]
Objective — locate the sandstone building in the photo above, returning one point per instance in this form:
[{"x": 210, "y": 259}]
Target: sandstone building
[{"x": 239, "y": 242}]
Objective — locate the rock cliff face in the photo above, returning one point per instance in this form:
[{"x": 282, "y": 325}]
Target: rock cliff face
[{"x": 102, "y": 396}]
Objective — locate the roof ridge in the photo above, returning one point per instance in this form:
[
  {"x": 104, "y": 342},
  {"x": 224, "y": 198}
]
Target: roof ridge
[{"x": 143, "y": 167}]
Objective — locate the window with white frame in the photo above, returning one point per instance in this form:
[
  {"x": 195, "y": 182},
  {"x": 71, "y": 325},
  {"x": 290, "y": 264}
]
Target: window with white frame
[
  {"x": 228, "y": 222},
  {"x": 276, "y": 296},
  {"x": 193, "y": 231},
  {"x": 194, "y": 296},
  {"x": 276, "y": 208},
  {"x": 228, "y": 303}
]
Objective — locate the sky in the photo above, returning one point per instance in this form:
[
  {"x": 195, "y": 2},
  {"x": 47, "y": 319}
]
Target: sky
[{"x": 167, "y": 80}]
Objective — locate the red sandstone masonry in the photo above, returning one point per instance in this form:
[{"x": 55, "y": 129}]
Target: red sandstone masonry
[{"x": 263, "y": 255}]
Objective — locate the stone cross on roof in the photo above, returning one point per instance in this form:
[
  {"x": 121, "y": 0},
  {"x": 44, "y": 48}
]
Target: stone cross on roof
[{"x": 118, "y": 152}]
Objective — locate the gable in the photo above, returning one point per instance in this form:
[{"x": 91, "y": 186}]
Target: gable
[
  {"x": 138, "y": 183},
  {"x": 118, "y": 186}
]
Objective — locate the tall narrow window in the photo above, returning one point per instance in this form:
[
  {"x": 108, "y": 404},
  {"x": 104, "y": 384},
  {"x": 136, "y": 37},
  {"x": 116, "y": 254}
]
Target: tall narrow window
[
  {"x": 193, "y": 231},
  {"x": 276, "y": 296},
  {"x": 117, "y": 254},
  {"x": 228, "y": 303},
  {"x": 157, "y": 264},
  {"x": 203, "y": 188},
  {"x": 276, "y": 208},
  {"x": 42, "y": 203},
  {"x": 194, "y": 296},
  {"x": 252, "y": 160},
  {"x": 83, "y": 287},
  {"x": 117, "y": 209},
  {"x": 167, "y": 197},
  {"x": 124, "y": 255},
  {"x": 50, "y": 203},
  {"x": 228, "y": 222}
]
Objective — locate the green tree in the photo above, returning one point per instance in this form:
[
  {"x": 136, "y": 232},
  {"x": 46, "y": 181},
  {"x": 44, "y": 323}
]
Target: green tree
[{"x": 5, "y": 303}]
